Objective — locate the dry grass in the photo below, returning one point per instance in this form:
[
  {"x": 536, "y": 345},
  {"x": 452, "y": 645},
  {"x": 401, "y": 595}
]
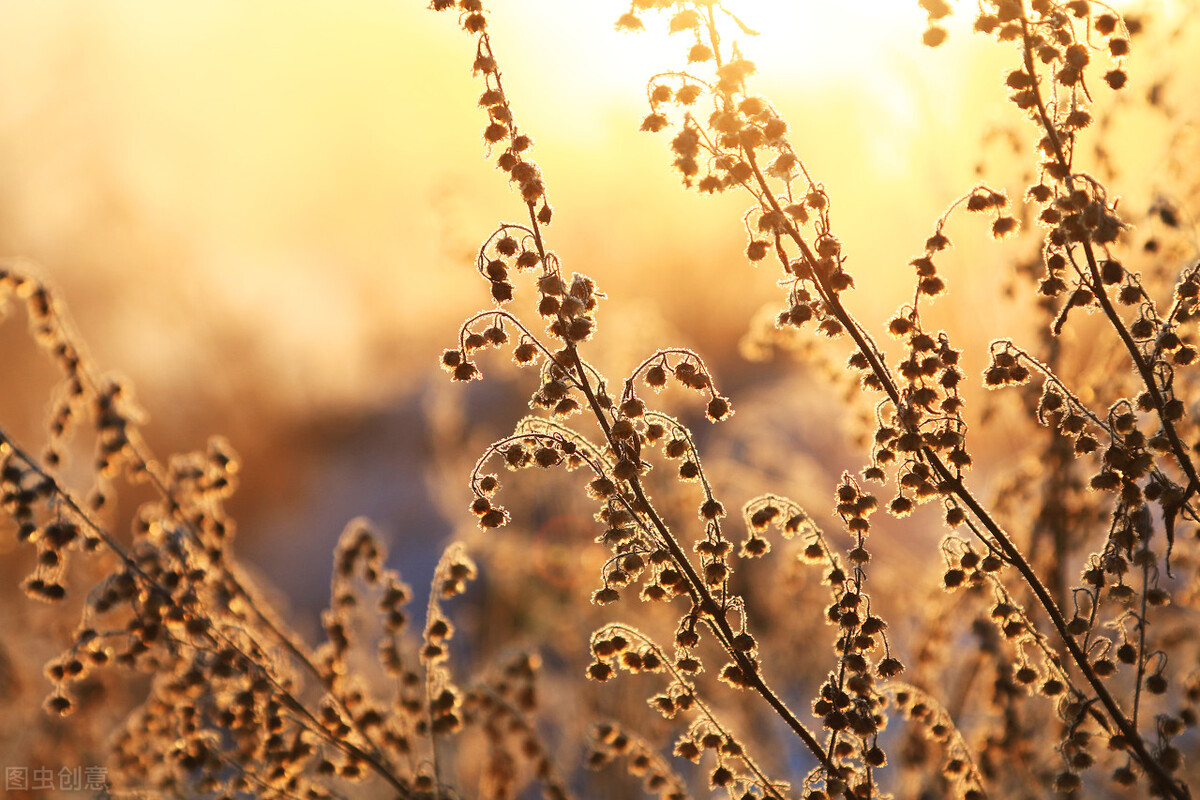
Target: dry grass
[{"x": 1045, "y": 641}]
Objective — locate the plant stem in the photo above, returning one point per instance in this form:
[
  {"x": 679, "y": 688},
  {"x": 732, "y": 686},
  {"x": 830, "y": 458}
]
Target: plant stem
[
  {"x": 955, "y": 486},
  {"x": 702, "y": 596}
]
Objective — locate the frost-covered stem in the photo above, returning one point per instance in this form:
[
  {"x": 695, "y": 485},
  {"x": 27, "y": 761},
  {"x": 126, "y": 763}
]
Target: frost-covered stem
[
  {"x": 953, "y": 482},
  {"x": 704, "y": 598}
]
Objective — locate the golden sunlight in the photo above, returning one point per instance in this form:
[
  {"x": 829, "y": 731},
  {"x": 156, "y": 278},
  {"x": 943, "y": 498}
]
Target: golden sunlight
[
  {"x": 475, "y": 287},
  {"x": 819, "y": 41},
  {"x": 803, "y": 43},
  {"x": 333, "y": 141}
]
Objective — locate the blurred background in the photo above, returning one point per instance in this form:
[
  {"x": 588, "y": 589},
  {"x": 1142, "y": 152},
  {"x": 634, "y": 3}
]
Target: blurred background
[{"x": 266, "y": 214}]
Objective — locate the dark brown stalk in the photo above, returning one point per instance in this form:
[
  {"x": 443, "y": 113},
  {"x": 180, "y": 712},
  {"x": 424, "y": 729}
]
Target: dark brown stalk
[
  {"x": 148, "y": 464},
  {"x": 375, "y": 761},
  {"x": 1011, "y": 552},
  {"x": 1101, "y": 294},
  {"x": 955, "y": 485},
  {"x": 704, "y": 598}
]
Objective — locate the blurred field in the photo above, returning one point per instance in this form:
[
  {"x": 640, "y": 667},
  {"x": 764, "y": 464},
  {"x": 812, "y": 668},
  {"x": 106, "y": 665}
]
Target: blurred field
[{"x": 265, "y": 214}]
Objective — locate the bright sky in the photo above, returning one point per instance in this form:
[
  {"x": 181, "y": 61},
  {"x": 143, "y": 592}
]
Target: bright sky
[
  {"x": 851, "y": 45},
  {"x": 282, "y": 160}
]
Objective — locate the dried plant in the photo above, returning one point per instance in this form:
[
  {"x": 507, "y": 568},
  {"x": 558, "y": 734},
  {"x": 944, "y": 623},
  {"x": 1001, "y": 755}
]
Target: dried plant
[
  {"x": 786, "y": 658},
  {"x": 726, "y": 138},
  {"x": 235, "y": 702}
]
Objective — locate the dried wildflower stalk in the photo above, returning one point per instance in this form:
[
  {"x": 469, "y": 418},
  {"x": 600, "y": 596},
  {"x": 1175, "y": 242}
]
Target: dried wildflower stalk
[
  {"x": 237, "y": 702},
  {"x": 644, "y": 546},
  {"x": 726, "y": 138}
]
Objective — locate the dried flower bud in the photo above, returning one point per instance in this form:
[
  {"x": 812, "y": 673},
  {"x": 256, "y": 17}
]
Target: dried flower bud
[
  {"x": 494, "y": 518},
  {"x": 934, "y": 36},
  {"x": 711, "y": 509},
  {"x": 718, "y": 409},
  {"x": 715, "y": 573},
  {"x": 605, "y": 596},
  {"x": 629, "y": 22},
  {"x": 465, "y": 371},
  {"x": 600, "y": 671},
  {"x": 524, "y": 353},
  {"x": 1004, "y": 226}
]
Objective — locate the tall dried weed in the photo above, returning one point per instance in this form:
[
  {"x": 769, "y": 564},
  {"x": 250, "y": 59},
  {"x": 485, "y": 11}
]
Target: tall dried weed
[{"x": 787, "y": 657}]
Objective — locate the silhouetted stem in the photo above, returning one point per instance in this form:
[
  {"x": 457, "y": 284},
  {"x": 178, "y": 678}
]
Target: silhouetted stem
[
  {"x": 715, "y": 615},
  {"x": 956, "y": 487},
  {"x": 1101, "y": 294},
  {"x": 375, "y": 761}
]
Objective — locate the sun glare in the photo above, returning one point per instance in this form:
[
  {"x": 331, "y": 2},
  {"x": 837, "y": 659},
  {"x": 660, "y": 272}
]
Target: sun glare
[
  {"x": 805, "y": 40},
  {"x": 821, "y": 41},
  {"x": 849, "y": 48}
]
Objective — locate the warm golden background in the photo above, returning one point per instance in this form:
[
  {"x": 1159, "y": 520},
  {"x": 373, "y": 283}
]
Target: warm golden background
[{"x": 265, "y": 213}]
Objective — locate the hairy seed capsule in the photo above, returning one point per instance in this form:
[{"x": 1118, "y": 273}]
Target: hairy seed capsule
[{"x": 718, "y": 409}]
